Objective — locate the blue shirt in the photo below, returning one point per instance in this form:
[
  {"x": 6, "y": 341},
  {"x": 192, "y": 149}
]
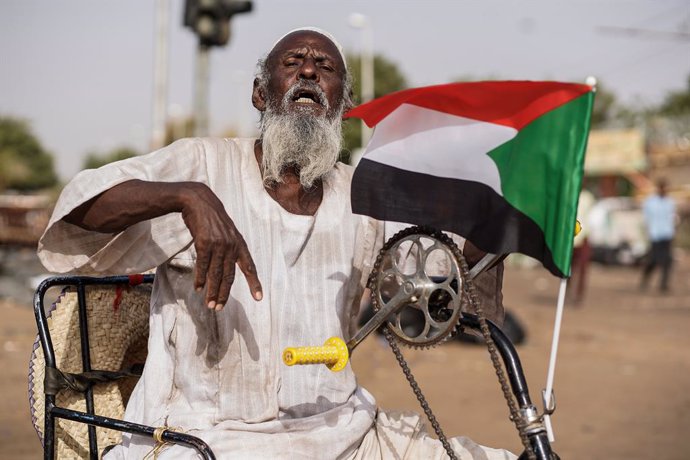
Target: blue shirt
[{"x": 659, "y": 213}]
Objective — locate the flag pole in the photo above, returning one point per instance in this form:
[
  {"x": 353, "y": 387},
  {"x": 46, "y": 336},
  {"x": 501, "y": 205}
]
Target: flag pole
[{"x": 547, "y": 395}]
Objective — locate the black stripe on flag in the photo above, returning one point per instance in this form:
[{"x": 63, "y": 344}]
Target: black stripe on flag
[{"x": 470, "y": 209}]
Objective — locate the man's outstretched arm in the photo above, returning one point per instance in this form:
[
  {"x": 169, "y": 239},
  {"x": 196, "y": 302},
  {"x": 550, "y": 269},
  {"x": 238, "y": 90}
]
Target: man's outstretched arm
[{"x": 218, "y": 243}]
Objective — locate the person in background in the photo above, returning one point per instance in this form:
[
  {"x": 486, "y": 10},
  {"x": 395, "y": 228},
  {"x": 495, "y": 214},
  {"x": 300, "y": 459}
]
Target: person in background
[
  {"x": 659, "y": 215},
  {"x": 581, "y": 248}
]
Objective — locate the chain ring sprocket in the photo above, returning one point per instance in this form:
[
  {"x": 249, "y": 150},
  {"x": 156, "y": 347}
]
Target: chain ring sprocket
[{"x": 434, "y": 306}]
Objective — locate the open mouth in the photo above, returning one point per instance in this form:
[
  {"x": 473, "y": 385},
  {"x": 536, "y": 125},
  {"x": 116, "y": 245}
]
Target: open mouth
[{"x": 306, "y": 97}]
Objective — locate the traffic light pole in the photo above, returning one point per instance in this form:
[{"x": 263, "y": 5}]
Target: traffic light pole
[
  {"x": 160, "y": 75},
  {"x": 201, "y": 83},
  {"x": 210, "y": 21}
]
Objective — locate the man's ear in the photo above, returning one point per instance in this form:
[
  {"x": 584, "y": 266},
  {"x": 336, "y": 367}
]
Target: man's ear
[
  {"x": 258, "y": 97},
  {"x": 350, "y": 105}
]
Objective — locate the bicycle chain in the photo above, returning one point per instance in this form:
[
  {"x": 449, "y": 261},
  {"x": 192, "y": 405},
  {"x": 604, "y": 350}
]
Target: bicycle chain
[
  {"x": 418, "y": 392},
  {"x": 468, "y": 289}
]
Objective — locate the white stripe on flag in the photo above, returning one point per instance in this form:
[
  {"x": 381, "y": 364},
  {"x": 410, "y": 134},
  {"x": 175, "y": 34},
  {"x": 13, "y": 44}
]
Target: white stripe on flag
[{"x": 426, "y": 141}]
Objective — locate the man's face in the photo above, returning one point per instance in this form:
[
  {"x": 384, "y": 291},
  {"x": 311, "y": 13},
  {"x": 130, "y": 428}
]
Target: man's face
[{"x": 306, "y": 75}]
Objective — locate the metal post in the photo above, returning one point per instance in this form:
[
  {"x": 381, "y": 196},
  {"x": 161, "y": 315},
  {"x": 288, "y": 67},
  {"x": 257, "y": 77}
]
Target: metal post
[
  {"x": 201, "y": 91},
  {"x": 363, "y": 23},
  {"x": 160, "y": 75},
  {"x": 86, "y": 366},
  {"x": 367, "y": 75}
]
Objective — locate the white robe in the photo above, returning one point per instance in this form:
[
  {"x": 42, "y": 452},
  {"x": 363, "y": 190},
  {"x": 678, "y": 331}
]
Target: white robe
[{"x": 219, "y": 375}]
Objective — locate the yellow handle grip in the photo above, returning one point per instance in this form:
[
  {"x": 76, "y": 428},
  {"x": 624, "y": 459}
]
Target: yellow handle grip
[{"x": 333, "y": 354}]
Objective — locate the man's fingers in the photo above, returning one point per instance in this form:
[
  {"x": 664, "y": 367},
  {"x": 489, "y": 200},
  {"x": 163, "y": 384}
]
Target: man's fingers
[
  {"x": 226, "y": 282},
  {"x": 215, "y": 269},
  {"x": 246, "y": 264},
  {"x": 202, "y": 261},
  {"x": 213, "y": 279}
]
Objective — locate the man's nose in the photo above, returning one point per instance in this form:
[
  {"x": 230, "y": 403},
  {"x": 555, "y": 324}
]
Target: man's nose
[{"x": 309, "y": 70}]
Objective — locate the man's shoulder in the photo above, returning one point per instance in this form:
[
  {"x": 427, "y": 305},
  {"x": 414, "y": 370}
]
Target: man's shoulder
[
  {"x": 344, "y": 169},
  {"x": 192, "y": 150},
  {"x": 340, "y": 180},
  {"x": 215, "y": 143},
  {"x": 340, "y": 177}
]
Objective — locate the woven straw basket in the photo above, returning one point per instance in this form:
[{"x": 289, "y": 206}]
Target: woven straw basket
[{"x": 118, "y": 334}]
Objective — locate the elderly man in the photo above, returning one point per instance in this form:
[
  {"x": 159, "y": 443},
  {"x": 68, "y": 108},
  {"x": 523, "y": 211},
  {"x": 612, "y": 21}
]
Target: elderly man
[{"x": 278, "y": 208}]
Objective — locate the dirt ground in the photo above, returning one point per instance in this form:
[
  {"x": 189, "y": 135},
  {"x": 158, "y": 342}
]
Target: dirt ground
[{"x": 621, "y": 386}]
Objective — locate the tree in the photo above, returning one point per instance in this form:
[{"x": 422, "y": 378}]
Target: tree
[
  {"x": 468, "y": 77},
  {"x": 178, "y": 128},
  {"x": 95, "y": 160},
  {"x": 668, "y": 123},
  {"x": 387, "y": 79},
  {"x": 25, "y": 164},
  {"x": 604, "y": 110},
  {"x": 676, "y": 102}
]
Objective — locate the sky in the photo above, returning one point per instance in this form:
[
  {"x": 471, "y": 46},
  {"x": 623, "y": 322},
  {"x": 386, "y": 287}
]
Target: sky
[{"x": 81, "y": 72}]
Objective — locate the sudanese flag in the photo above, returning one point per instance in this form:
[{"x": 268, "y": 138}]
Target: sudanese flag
[{"x": 499, "y": 163}]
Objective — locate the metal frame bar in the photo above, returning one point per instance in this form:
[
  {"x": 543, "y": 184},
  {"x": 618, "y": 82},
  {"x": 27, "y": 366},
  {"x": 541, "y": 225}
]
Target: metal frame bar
[
  {"x": 86, "y": 366},
  {"x": 537, "y": 436},
  {"x": 52, "y": 411},
  {"x": 129, "y": 427}
]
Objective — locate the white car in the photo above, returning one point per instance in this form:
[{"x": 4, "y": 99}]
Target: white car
[{"x": 617, "y": 233}]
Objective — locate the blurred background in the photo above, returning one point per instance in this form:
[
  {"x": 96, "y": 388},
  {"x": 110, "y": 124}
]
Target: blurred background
[{"x": 86, "y": 83}]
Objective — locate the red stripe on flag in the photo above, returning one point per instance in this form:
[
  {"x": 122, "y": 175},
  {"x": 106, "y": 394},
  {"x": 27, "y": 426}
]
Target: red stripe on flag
[{"x": 508, "y": 103}]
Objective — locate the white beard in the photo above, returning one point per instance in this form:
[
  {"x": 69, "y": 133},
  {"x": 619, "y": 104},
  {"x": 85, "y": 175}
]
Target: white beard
[{"x": 309, "y": 142}]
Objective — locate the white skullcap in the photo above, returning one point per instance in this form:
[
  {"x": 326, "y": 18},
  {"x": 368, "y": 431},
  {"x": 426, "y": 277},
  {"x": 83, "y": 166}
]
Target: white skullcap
[{"x": 318, "y": 31}]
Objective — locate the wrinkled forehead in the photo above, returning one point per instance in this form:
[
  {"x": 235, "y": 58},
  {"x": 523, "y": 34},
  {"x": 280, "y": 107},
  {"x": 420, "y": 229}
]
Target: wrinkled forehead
[{"x": 308, "y": 40}]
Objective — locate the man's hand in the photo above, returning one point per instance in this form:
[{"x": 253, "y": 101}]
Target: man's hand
[
  {"x": 219, "y": 246},
  {"x": 472, "y": 253}
]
